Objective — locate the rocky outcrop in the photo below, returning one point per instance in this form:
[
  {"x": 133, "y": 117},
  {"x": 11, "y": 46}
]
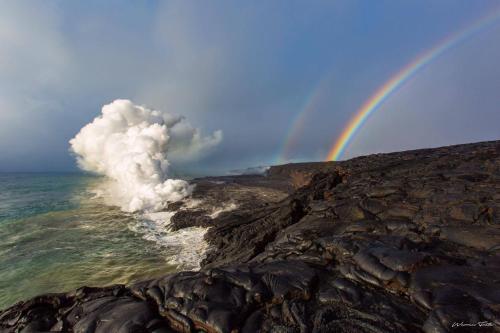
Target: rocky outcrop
[{"x": 401, "y": 242}]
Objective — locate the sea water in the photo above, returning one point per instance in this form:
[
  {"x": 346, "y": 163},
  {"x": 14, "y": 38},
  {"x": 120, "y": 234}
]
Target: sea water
[{"x": 57, "y": 234}]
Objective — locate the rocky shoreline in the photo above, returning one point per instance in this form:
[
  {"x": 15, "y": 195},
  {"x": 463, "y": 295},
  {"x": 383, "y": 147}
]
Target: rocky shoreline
[{"x": 400, "y": 242}]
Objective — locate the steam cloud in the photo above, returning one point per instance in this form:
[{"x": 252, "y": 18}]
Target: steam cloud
[{"x": 129, "y": 144}]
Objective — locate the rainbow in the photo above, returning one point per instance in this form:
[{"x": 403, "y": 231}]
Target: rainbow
[
  {"x": 398, "y": 80},
  {"x": 297, "y": 123}
]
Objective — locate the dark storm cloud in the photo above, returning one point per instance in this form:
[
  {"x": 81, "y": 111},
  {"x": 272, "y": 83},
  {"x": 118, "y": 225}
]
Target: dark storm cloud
[{"x": 244, "y": 68}]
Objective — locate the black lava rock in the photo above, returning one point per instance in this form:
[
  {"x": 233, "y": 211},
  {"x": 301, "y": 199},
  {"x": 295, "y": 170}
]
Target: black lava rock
[{"x": 400, "y": 242}]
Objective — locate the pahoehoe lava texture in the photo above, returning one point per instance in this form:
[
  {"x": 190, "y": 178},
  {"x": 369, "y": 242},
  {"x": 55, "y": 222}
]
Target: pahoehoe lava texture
[{"x": 400, "y": 242}]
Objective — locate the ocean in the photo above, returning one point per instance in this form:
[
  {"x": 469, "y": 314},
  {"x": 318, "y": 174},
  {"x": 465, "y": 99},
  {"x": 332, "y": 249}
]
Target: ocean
[{"x": 58, "y": 233}]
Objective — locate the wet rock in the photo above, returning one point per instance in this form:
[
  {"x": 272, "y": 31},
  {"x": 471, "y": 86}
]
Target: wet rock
[
  {"x": 186, "y": 219},
  {"x": 400, "y": 242},
  {"x": 486, "y": 238}
]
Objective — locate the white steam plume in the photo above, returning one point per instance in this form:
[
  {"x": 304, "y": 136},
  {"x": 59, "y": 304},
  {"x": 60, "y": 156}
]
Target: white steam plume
[{"x": 130, "y": 144}]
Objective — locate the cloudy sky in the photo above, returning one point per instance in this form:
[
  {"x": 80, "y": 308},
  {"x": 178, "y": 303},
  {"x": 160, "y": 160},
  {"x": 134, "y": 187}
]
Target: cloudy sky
[{"x": 248, "y": 69}]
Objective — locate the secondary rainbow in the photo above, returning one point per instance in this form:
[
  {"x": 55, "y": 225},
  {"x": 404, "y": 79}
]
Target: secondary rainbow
[
  {"x": 297, "y": 123},
  {"x": 395, "y": 82}
]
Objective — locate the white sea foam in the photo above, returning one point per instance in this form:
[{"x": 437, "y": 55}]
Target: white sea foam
[
  {"x": 130, "y": 144},
  {"x": 225, "y": 208},
  {"x": 192, "y": 203},
  {"x": 185, "y": 248},
  {"x": 133, "y": 146},
  {"x": 217, "y": 182}
]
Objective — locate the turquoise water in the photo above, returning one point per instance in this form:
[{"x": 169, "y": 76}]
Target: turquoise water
[{"x": 56, "y": 235}]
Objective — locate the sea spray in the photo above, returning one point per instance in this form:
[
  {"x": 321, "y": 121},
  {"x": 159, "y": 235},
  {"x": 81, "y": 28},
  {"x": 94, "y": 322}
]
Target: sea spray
[
  {"x": 131, "y": 145},
  {"x": 185, "y": 248}
]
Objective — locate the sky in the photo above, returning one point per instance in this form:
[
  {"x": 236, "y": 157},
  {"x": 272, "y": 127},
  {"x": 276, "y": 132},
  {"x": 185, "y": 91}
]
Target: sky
[{"x": 247, "y": 69}]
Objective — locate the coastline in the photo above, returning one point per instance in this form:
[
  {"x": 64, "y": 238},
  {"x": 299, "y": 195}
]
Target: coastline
[{"x": 398, "y": 242}]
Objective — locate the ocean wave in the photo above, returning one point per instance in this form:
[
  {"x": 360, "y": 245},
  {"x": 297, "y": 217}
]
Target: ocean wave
[{"x": 184, "y": 248}]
